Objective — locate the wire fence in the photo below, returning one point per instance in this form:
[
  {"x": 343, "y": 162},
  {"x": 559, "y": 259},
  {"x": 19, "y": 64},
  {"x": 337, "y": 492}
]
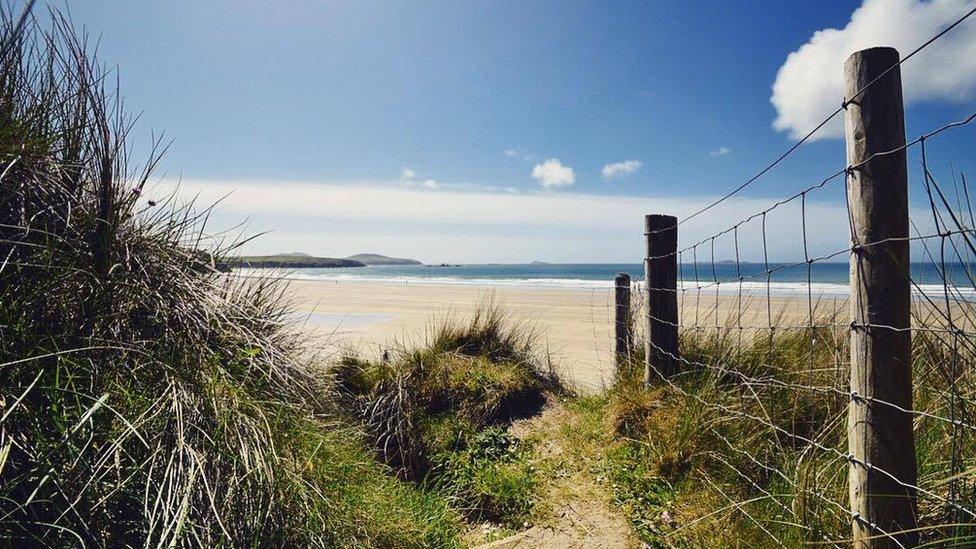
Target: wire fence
[{"x": 799, "y": 394}]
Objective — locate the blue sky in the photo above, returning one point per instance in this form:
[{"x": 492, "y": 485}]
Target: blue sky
[{"x": 473, "y": 98}]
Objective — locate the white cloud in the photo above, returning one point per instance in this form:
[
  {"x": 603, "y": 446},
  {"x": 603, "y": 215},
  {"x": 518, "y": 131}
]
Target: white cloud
[
  {"x": 620, "y": 168},
  {"x": 809, "y": 85},
  {"x": 552, "y": 173},
  {"x": 343, "y": 218},
  {"x": 511, "y": 153},
  {"x": 721, "y": 151},
  {"x": 408, "y": 178},
  {"x": 406, "y": 174}
]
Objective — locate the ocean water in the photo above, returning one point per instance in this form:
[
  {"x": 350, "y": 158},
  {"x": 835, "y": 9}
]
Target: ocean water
[{"x": 825, "y": 279}]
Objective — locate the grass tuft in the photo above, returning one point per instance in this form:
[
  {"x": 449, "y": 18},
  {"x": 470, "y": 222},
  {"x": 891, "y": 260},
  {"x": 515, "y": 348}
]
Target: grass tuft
[{"x": 439, "y": 415}]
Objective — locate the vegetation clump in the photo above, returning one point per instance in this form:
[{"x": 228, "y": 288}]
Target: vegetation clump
[
  {"x": 439, "y": 415},
  {"x": 145, "y": 398},
  {"x": 752, "y": 432}
]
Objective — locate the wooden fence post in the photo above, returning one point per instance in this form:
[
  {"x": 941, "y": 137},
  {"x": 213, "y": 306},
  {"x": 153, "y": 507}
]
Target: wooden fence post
[
  {"x": 661, "y": 278},
  {"x": 622, "y": 318},
  {"x": 883, "y": 470}
]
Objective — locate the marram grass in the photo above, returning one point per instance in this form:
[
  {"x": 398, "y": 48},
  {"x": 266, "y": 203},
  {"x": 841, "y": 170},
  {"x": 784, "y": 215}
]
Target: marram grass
[
  {"x": 146, "y": 399},
  {"x": 744, "y": 447}
]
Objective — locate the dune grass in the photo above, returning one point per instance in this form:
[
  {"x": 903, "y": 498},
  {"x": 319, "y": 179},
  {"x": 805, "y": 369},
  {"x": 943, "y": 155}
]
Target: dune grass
[
  {"x": 145, "y": 398},
  {"x": 734, "y": 452},
  {"x": 149, "y": 400},
  {"x": 439, "y": 415}
]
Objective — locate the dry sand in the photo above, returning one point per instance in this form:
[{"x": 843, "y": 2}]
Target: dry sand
[{"x": 574, "y": 325}]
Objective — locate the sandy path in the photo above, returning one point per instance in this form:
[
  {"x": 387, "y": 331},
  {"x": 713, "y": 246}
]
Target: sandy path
[{"x": 574, "y": 324}]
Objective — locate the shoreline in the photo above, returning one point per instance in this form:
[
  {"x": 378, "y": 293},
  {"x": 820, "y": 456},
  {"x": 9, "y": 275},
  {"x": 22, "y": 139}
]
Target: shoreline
[{"x": 752, "y": 289}]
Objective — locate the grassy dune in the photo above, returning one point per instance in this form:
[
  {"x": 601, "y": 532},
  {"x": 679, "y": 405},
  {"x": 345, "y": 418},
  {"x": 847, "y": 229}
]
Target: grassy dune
[
  {"x": 738, "y": 451},
  {"x": 149, "y": 400},
  {"x": 440, "y": 415},
  {"x": 145, "y": 399}
]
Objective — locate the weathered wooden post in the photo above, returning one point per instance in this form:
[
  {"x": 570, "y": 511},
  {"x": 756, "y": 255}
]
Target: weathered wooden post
[
  {"x": 880, "y": 438},
  {"x": 661, "y": 277},
  {"x": 622, "y": 318}
]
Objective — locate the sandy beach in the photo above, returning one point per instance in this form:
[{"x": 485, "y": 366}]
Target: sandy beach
[{"x": 574, "y": 325}]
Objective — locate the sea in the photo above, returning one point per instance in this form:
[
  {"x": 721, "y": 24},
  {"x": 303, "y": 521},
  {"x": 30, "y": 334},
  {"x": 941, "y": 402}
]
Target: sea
[{"x": 822, "y": 279}]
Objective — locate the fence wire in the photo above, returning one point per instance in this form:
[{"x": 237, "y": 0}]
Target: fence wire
[{"x": 766, "y": 371}]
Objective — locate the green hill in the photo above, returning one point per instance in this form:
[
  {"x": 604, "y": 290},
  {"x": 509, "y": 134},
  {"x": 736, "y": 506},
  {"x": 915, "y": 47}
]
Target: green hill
[
  {"x": 292, "y": 261},
  {"x": 377, "y": 259}
]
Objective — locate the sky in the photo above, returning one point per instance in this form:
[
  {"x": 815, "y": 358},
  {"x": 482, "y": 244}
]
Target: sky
[{"x": 516, "y": 131}]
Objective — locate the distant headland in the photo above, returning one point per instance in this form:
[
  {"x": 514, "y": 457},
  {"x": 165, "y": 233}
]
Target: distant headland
[
  {"x": 377, "y": 259},
  {"x": 299, "y": 260}
]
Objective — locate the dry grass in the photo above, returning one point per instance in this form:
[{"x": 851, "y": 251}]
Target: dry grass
[
  {"x": 146, "y": 399},
  {"x": 738, "y": 450}
]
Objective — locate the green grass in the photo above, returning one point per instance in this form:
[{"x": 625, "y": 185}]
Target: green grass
[
  {"x": 489, "y": 474},
  {"x": 439, "y": 415},
  {"x": 709, "y": 460},
  {"x": 357, "y": 501}
]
